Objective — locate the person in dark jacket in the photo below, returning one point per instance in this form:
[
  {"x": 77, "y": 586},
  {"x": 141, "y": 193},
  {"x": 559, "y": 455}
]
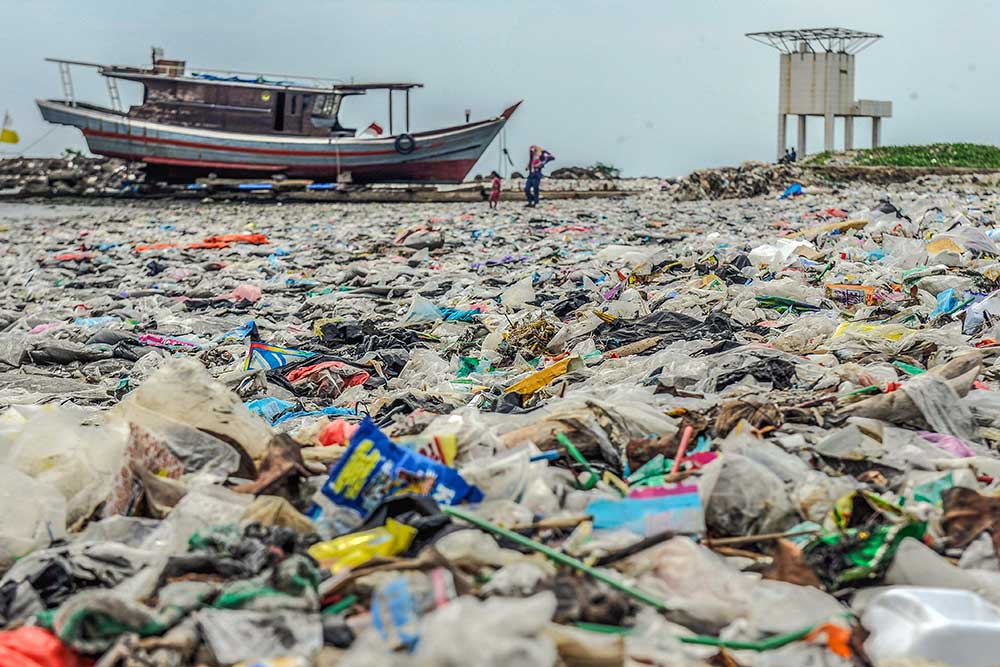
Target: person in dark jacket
[{"x": 537, "y": 159}]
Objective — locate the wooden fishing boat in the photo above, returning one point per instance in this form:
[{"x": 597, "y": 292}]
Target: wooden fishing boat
[{"x": 234, "y": 125}]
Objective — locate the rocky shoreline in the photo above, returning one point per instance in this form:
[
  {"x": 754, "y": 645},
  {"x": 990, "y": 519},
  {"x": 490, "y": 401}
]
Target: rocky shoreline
[{"x": 97, "y": 177}]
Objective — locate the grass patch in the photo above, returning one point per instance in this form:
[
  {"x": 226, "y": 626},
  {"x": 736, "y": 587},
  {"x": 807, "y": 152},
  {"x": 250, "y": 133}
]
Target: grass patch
[
  {"x": 819, "y": 159},
  {"x": 972, "y": 156}
]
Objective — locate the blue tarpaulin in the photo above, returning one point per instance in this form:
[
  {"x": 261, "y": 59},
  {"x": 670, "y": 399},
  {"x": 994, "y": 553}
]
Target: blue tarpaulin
[{"x": 793, "y": 190}]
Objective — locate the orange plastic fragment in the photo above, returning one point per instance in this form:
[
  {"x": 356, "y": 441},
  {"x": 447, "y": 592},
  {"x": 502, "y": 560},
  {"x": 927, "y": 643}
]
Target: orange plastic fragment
[{"x": 838, "y": 638}]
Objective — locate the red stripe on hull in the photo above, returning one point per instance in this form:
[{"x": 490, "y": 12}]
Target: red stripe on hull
[
  {"x": 438, "y": 170},
  {"x": 201, "y": 163},
  {"x": 238, "y": 149}
]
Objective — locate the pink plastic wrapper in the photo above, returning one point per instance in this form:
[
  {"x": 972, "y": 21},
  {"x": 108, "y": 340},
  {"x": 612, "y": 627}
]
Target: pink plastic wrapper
[
  {"x": 948, "y": 443},
  {"x": 245, "y": 292},
  {"x": 42, "y": 328}
]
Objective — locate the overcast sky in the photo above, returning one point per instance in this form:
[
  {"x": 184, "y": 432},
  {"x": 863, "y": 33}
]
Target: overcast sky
[{"x": 655, "y": 87}]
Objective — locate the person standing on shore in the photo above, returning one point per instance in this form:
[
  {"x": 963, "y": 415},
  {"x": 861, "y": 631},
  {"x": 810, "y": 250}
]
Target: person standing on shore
[
  {"x": 537, "y": 159},
  {"x": 495, "y": 190}
]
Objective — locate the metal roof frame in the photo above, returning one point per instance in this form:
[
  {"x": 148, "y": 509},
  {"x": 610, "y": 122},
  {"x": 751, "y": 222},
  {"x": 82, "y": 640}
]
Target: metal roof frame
[
  {"x": 829, "y": 40},
  {"x": 291, "y": 82}
]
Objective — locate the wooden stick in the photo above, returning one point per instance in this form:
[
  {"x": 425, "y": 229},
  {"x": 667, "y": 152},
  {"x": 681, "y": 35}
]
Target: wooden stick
[
  {"x": 763, "y": 537},
  {"x": 557, "y": 522}
]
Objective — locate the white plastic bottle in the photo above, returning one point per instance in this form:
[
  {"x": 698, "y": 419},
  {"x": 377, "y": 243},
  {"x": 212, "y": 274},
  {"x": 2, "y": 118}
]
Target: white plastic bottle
[{"x": 952, "y": 627}]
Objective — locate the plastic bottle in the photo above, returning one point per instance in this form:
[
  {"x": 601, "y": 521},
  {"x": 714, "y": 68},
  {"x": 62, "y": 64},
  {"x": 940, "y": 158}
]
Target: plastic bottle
[{"x": 952, "y": 627}]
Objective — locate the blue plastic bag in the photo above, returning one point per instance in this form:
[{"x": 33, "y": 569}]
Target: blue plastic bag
[{"x": 793, "y": 190}]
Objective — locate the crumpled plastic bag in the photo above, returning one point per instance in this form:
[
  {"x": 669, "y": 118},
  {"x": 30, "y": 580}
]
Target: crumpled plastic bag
[
  {"x": 421, "y": 310},
  {"x": 748, "y": 498},
  {"x": 32, "y": 514},
  {"x": 694, "y": 581},
  {"x": 777, "y": 255},
  {"x": 519, "y": 295},
  {"x": 73, "y": 450},
  {"x": 182, "y": 390},
  {"x": 496, "y": 632},
  {"x": 235, "y": 634}
]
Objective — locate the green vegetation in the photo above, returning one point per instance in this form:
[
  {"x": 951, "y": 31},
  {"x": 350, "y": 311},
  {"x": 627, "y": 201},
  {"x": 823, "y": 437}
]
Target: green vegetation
[
  {"x": 819, "y": 159},
  {"x": 606, "y": 170},
  {"x": 972, "y": 156}
]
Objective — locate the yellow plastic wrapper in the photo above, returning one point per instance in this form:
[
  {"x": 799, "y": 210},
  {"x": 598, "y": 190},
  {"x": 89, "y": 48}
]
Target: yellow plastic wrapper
[
  {"x": 536, "y": 381},
  {"x": 276, "y": 662},
  {"x": 945, "y": 244},
  {"x": 350, "y": 551},
  {"x": 886, "y": 331},
  {"x": 442, "y": 448}
]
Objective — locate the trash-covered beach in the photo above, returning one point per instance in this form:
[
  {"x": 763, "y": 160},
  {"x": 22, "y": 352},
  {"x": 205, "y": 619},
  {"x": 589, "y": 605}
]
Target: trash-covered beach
[{"x": 634, "y": 431}]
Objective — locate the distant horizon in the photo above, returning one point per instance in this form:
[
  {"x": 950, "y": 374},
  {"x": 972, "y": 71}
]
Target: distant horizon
[{"x": 656, "y": 90}]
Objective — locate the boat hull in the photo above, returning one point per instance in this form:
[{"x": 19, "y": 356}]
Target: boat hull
[{"x": 180, "y": 153}]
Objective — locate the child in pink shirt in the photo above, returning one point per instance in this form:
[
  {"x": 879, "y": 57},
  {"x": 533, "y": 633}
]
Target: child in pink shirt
[{"x": 495, "y": 190}]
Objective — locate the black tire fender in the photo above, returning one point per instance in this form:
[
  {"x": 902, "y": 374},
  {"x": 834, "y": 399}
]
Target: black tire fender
[{"x": 405, "y": 144}]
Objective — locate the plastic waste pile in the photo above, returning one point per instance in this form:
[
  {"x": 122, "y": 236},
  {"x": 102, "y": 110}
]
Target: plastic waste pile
[
  {"x": 753, "y": 432},
  {"x": 750, "y": 179}
]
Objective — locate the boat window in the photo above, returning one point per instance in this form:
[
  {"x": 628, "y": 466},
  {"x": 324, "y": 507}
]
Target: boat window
[
  {"x": 279, "y": 112},
  {"x": 325, "y": 109},
  {"x": 295, "y": 104}
]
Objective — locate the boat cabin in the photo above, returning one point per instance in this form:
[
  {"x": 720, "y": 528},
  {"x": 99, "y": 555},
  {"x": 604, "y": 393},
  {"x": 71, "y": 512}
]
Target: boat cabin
[{"x": 238, "y": 101}]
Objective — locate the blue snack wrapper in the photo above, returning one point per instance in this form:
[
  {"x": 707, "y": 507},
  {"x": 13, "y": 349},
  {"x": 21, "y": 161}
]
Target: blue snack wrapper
[{"x": 374, "y": 468}]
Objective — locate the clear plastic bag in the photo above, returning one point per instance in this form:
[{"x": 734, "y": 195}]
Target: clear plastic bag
[
  {"x": 235, "y": 634},
  {"x": 32, "y": 514},
  {"x": 424, "y": 370},
  {"x": 692, "y": 578},
  {"x": 497, "y": 632},
  {"x": 501, "y": 477},
  {"x": 182, "y": 390},
  {"x": 203, "y": 455},
  {"x": 421, "y": 310},
  {"x": 748, "y": 498},
  {"x": 73, "y": 450},
  {"x": 519, "y": 295},
  {"x": 779, "y": 253},
  {"x": 201, "y": 508}
]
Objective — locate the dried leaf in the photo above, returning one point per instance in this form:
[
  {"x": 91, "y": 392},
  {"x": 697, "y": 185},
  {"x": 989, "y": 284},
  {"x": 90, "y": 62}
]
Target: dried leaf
[
  {"x": 968, "y": 513},
  {"x": 788, "y": 565}
]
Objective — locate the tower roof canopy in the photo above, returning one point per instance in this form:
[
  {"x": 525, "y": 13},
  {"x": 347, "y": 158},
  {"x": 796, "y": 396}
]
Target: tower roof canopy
[{"x": 831, "y": 40}]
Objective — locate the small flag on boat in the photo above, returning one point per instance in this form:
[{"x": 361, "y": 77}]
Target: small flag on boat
[
  {"x": 375, "y": 129},
  {"x": 7, "y": 135},
  {"x": 261, "y": 356}
]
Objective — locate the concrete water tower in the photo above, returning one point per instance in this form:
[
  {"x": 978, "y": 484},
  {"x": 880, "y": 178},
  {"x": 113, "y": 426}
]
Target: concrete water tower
[{"x": 816, "y": 78}]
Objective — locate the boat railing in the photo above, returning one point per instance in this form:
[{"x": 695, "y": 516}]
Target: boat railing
[{"x": 66, "y": 79}]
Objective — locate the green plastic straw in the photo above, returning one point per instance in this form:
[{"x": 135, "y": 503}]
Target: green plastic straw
[
  {"x": 340, "y": 605},
  {"x": 769, "y": 644},
  {"x": 870, "y": 389},
  {"x": 558, "y": 557},
  {"x": 776, "y": 641},
  {"x": 908, "y": 368},
  {"x": 581, "y": 459}
]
